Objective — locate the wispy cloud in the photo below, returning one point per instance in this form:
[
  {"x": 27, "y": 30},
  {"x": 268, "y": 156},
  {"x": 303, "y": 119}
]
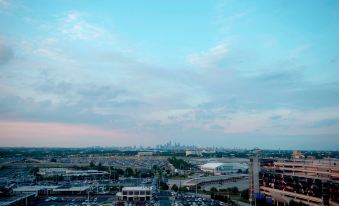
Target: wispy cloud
[
  {"x": 76, "y": 27},
  {"x": 240, "y": 74},
  {"x": 210, "y": 58}
]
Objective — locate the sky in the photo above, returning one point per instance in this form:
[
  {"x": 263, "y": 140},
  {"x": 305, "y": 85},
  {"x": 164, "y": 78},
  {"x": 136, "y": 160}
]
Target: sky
[{"x": 233, "y": 74}]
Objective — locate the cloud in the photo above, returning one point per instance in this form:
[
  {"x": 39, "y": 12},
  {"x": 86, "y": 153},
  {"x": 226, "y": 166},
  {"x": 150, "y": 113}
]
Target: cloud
[
  {"x": 6, "y": 52},
  {"x": 4, "y": 4},
  {"x": 77, "y": 28},
  {"x": 88, "y": 79},
  {"x": 210, "y": 58},
  {"x": 51, "y": 87},
  {"x": 326, "y": 123},
  {"x": 24, "y": 133}
]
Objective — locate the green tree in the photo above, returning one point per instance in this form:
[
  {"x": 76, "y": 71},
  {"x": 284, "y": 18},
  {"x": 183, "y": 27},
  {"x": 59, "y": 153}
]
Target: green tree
[
  {"x": 163, "y": 186},
  {"x": 34, "y": 171},
  {"x": 234, "y": 190},
  {"x": 183, "y": 189},
  {"x": 129, "y": 172},
  {"x": 179, "y": 163},
  {"x": 245, "y": 194},
  {"x": 175, "y": 188},
  {"x": 213, "y": 189}
]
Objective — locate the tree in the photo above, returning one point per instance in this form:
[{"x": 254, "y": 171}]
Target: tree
[
  {"x": 179, "y": 163},
  {"x": 213, "y": 189},
  {"x": 245, "y": 194},
  {"x": 234, "y": 190},
  {"x": 183, "y": 189},
  {"x": 175, "y": 188},
  {"x": 163, "y": 186},
  {"x": 34, "y": 171},
  {"x": 100, "y": 166},
  {"x": 91, "y": 164},
  {"x": 129, "y": 172}
]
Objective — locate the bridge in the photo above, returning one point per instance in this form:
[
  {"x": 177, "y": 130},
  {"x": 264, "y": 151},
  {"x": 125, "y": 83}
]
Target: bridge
[{"x": 214, "y": 180}]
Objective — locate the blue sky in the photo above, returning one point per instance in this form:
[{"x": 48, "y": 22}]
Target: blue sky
[{"x": 238, "y": 74}]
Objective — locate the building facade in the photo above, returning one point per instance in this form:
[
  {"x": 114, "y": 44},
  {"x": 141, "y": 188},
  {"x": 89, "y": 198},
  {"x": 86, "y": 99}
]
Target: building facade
[
  {"x": 135, "y": 194},
  {"x": 310, "y": 182}
]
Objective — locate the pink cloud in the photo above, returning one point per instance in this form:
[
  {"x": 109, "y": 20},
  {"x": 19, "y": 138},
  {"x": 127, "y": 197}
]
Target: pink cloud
[{"x": 14, "y": 133}]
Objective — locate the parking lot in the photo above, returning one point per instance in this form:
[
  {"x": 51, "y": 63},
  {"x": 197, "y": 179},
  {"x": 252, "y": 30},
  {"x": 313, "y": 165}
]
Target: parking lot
[
  {"x": 74, "y": 200},
  {"x": 194, "y": 200}
]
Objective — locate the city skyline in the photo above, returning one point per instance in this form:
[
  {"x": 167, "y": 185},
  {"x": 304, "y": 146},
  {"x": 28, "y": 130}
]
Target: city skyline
[{"x": 234, "y": 74}]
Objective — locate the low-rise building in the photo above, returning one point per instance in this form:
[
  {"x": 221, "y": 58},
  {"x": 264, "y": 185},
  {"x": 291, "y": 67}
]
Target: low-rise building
[
  {"x": 65, "y": 172},
  {"x": 135, "y": 194},
  {"x": 223, "y": 168}
]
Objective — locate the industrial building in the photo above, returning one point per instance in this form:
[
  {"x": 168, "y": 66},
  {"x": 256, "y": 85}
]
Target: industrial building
[
  {"x": 135, "y": 194},
  {"x": 223, "y": 168},
  {"x": 310, "y": 182},
  {"x": 69, "y": 173},
  {"x": 52, "y": 189}
]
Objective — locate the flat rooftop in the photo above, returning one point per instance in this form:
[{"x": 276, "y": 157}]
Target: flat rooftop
[{"x": 136, "y": 188}]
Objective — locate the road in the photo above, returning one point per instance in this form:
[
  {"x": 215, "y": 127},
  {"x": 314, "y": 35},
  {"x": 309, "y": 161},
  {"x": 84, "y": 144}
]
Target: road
[{"x": 164, "y": 198}]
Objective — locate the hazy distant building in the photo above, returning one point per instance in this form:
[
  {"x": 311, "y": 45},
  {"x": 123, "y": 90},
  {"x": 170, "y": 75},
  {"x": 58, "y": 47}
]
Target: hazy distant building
[
  {"x": 145, "y": 153},
  {"x": 193, "y": 153}
]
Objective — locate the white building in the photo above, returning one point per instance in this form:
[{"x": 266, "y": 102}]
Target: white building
[
  {"x": 135, "y": 194},
  {"x": 223, "y": 168}
]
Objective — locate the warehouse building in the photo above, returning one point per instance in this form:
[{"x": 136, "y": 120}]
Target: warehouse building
[{"x": 223, "y": 168}]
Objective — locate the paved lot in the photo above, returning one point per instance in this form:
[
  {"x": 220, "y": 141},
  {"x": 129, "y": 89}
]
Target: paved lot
[
  {"x": 73, "y": 200},
  {"x": 164, "y": 198},
  {"x": 241, "y": 184}
]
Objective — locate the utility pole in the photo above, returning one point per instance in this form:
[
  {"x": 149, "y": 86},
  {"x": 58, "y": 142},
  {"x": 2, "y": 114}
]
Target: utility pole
[{"x": 88, "y": 196}]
